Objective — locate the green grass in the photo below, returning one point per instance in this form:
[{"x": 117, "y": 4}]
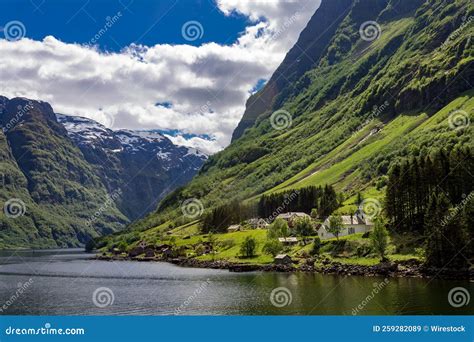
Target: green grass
[
  {"x": 369, "y": 261},
  {"x": 334, "y": 154},
  {"x": 335, "y": 173},
  {"x": 349, "y": 204},
  {"x": 232, "y": 253},
  {"x": 332, "y": 105}
]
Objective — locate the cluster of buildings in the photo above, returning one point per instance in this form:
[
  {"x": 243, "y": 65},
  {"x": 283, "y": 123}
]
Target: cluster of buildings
[{"x": 351, "y": 224}]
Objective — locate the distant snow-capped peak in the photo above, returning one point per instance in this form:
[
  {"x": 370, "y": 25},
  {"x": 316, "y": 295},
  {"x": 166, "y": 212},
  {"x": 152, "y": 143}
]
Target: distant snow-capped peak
[{"x": 86, "y": 131}]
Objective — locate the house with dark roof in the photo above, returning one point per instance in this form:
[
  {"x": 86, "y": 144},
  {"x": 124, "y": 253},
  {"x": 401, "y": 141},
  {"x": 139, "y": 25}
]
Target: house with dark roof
[{"x": 283, "y": 259}]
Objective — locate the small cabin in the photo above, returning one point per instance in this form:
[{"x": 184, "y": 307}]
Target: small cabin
[
  {"x": 288, "y": 240},
  {"x": 234, "y": 228},
  {"x": 283, "y": 259}
]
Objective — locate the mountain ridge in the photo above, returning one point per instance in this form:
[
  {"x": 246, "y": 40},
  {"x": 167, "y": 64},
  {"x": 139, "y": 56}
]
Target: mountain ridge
[
  {"x": 414, "y": 67},
  {"x": 121, "y": 154},
  {"x": 69, "y": 180}
]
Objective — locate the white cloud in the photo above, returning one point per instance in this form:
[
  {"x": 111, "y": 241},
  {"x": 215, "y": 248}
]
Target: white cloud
[
  {"x": 199, "y": 143},
  {"x": 206, "y": 85}
]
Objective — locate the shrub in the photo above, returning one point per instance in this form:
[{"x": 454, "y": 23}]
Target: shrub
[
  {"x": 379, "y": 238},
  {"x": 277, "y": 229},
  {"x": 248, "y": 247},
  {"x": 199, "y": 250},
  {"x": 304, "y": 227},
  {"x": 272, "y": 247},
  {"x": 122, "y": 246},
  {"x": 226, "y": 244},
  {"x": 316, "y": 248}
]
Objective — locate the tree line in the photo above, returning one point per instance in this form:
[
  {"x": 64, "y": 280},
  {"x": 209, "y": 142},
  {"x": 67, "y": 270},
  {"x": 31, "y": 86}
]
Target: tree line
[
  {"x": 322, "y": 199},
  {"x": 220, "y": 218},
  {"x": 432, "y": 195}
]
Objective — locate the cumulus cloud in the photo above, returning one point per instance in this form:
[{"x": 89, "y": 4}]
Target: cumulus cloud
[{"x": 205, "y": 87}]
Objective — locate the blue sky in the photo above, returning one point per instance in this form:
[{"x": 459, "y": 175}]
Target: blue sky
[
  {"x": 180, "y": 66},
  {"x": 143, "y": 21}
]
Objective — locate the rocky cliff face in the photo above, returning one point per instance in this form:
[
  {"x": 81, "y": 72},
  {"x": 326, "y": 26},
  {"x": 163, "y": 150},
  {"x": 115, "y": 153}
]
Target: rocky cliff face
[
  {"x": 304, "y": 55},
  {"x": 65, "y": 179},
  {"x": 332, "y": 39}
]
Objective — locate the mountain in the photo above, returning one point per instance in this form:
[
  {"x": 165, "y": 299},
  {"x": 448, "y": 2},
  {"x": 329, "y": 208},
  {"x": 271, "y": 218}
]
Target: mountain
[
  {"x": 142, "y": 165},
  {"x": 368, "y": 83},
  {"x": 66, "y": 181},
  {"x": 314, "y": 39}
]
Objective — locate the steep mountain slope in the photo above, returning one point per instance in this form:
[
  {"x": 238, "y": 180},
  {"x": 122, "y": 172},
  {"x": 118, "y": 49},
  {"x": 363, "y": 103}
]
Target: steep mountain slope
[
  {"x": 392, "y": 80},
  {"x": 143, "y": 166},
  {"x": 305, "y": 54},
  {"x": 63, "y": 182},
  {"x": 49, "y": 192}
]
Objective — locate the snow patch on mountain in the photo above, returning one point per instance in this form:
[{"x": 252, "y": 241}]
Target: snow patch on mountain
[{"x": 85, "y": 131}]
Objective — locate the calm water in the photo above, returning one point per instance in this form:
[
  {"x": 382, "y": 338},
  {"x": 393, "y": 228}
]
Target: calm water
[{"x": 63, "y": 282}]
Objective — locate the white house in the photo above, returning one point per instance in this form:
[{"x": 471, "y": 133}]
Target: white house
[
  {"x": 257, "y": 223},
  {"x": 352, "y": 224}
]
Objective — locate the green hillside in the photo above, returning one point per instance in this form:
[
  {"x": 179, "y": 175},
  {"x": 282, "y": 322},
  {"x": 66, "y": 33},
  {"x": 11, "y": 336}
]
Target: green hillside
[
  {"x": 48, "y": 191},
  {"x": 355, "y": 107}
]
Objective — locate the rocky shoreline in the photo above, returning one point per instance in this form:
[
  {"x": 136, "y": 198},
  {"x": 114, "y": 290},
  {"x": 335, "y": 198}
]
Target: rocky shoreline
[{"x": 407, "y": 269}]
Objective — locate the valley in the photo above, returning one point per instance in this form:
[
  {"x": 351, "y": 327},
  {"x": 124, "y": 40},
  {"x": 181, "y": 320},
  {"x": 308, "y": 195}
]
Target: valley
[
  {"x": 67, "y": 180},
  {"x": 384, "y": 122}
]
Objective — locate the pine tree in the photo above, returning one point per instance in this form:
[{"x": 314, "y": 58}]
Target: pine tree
[{"x": 446, "y": 240}]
